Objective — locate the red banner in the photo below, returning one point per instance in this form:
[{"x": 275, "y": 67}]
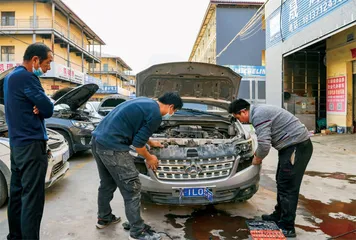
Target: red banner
[
  {"x": 336, "y": 94},
  {"x": 353, "y": 53}
]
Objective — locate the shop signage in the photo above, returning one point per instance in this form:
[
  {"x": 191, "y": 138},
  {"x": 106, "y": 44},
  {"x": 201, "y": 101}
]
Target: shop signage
[
  {"x": 108, "y": 89},
  {"x": 294, "y": 15},
  {"x": 248, "y": 71},
  {"x": 91, "y": 79},
  {"x": 7, "y": 65},
  {"x": 336, "y": 95},
  {"x": 64, "y": 73}
]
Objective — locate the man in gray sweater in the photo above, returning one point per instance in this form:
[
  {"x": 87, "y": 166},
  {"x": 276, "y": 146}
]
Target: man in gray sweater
[{"x": 278, "y": 128}]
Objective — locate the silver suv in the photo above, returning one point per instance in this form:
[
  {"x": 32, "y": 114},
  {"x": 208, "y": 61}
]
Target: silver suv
[{"x": 207, "y": 155}]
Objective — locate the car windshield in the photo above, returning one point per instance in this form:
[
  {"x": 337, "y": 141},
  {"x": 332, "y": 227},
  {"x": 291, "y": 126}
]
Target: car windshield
[{"x": 201, "y": 109}]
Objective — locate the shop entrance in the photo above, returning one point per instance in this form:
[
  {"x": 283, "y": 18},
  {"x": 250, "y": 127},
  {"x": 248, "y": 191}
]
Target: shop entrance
[{"x": 304, "y": 84}]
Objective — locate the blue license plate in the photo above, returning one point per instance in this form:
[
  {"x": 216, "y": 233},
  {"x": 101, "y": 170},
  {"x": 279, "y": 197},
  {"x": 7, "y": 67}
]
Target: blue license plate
[
  {"x": 193, "y": 192},
  {"x": 65, "y": 156},
  {"x": 196, "y": 192}
]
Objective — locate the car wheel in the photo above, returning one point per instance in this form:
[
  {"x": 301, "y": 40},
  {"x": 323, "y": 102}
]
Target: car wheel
[
  {"x": 3, "y": 190},
  {"x": 68, "y": 140}
]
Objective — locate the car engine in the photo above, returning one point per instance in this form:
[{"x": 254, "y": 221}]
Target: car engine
[{"x": 195, "y": 131}]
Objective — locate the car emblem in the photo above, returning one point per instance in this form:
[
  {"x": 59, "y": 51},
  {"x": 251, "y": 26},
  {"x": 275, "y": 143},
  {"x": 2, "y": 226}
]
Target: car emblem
[{"x": 194, "y": 169}]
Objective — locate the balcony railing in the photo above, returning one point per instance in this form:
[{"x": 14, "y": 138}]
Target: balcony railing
[
  {"x": 41, "y": 24},
  {"x": 110, "y": 70}
]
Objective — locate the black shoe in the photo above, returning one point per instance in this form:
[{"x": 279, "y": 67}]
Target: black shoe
[
  {"x": 274, "y": 217},
  {"x": 103, "y": 224},
  {"x": 127, "y": 226},
  {"x": 289, "y": 233}
]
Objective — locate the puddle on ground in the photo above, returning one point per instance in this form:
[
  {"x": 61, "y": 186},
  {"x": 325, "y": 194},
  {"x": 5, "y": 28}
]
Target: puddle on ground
[
  {"x": 335, "y": 175},
  {"x": 210, "y": 223},
  {"x": 337, "y": 217}
]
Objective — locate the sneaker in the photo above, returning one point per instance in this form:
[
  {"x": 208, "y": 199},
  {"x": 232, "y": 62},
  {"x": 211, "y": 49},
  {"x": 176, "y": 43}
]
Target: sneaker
[
  {"x": 146, "y": 234},
  {"x": 271, "y": 217},
  {"x": 126, "y": 225},
  {"x": 289, "y": 233},
  {"x": 103, "y": 224}
]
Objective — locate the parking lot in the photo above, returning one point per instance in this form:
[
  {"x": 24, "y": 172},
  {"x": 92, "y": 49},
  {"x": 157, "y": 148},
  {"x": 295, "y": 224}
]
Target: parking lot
[{"x": 70, "y": 210}]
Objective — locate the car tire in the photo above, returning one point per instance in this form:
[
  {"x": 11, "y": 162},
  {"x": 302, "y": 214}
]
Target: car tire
[
  {"x": 3, "y": 190},
  {"x": 68, "y": 140}
]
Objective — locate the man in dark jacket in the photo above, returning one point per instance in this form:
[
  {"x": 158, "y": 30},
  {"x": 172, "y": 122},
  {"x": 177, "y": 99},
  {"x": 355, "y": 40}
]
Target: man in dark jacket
[
  {"x": 279, "y": 128},
  {"x": 26, "y": 107},
  {"x": 131, "y": 123}
]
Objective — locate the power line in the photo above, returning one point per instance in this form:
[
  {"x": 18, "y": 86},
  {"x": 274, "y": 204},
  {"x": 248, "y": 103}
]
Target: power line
[{"x": 250, "y": 23}]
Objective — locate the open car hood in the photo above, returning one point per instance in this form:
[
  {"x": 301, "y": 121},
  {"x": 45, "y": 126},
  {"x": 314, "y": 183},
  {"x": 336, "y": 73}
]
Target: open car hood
[
  {"x": 78, "y": 96},
  {"x": 111, "y": 101},
  {"x": 195, "y": 82}
]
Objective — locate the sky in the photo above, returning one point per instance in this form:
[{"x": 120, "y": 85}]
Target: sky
[{"x": 144, "y": 32}]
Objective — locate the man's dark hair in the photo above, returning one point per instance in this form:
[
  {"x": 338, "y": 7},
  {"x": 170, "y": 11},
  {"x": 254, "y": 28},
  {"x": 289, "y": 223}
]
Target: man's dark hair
[
  {"x": 171, "y": 98},
  {"x": 237, "y": 105},
  {"x": 37, "y": 49}
]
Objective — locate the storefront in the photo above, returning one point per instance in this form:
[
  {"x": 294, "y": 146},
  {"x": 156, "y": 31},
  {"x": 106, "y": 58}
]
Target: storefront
[{"x": 310, "y": 55}]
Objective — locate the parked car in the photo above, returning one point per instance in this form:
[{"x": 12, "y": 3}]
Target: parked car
[
  {"x": 57, "y": 161},
  {"x": 70, "y": 119},
  {"x": 207, "y": 154},
  {"x": 91, "y": 108},
  {"x": 109, "y": 103}
]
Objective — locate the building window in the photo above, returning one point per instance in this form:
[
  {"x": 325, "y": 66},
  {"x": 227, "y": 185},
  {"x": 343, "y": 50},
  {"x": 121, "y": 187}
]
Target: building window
[
  {"x": 7, "y": 18},
  {"x": 92, "y": 65},
  {"x": 105, "y": 67},
  {"x": 7, "y": 53}
]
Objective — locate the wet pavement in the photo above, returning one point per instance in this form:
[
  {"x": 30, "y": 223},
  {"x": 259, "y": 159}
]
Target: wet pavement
[{"x": 327, "y": 205}]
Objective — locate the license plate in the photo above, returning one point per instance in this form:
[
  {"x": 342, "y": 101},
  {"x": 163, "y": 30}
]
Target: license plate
[
  {"x": 196, "y": 192},
  {"x": 65, "y": 156}
]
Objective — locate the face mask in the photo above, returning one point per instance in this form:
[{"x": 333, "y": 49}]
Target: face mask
[
  {"x": 167, "y": 116},
  {"x": 38, "y": 72}
]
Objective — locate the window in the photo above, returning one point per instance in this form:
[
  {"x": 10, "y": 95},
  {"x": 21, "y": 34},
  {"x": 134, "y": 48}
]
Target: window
[
  {"x": 92, "y": 65},
  {"x": 106, "y": 67},
  {"x": 244, "y": 91},
  {"x": 7, "y": 53},
  {"x": 7, "y": 18}
]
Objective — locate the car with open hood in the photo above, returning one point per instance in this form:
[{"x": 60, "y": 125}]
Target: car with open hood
[
  {"x": 57, "y": 159},
  {"x": 71, "y": 120},
  {"x": 108, "y": 103},
  {"x": 207, "y": 154}
]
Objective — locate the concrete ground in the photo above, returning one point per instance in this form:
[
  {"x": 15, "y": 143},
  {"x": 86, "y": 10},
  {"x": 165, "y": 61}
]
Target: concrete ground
[{"x": 327, "y": 202}]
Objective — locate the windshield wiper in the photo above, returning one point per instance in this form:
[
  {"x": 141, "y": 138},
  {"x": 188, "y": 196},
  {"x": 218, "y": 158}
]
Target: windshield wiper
[{"x": 200, "y": 112}]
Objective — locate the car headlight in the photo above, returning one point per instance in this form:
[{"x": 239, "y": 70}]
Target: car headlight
[
  {"x": 243, "y": 147},
  {"x": 85, "y": 125}
]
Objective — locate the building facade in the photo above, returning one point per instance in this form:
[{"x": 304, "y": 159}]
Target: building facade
[
  {"x": 311, "y": 61},
  {"x": 222, "y": 21},
  {"x": 113, "y": 73},
  {"x": 71, "y": 40}
]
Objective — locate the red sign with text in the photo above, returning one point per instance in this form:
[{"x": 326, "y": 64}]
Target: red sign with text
[{"x": 336, "y": 94}]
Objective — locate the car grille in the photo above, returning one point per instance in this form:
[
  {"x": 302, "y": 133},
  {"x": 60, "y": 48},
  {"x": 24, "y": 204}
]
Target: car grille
[
  {"x": 195, "y": 169},
  {"x": 57, "y": 167}
]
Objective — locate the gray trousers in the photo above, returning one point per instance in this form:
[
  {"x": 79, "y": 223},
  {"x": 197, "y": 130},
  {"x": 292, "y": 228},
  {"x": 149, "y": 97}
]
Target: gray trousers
[{"x": 117, "y": 170}]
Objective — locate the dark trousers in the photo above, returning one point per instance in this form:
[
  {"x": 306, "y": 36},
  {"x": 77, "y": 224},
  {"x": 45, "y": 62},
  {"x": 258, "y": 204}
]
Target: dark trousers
[
  {"x": 292, "y": 163},
  {"x": 117, "y": 170},
  {"x": 27, "y": 190}
]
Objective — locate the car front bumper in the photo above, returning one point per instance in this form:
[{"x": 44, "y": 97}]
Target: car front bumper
[{"x": 237, "y": 187}]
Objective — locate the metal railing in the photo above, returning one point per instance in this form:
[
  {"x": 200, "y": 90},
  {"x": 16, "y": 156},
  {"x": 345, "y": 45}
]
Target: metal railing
[{"x": 40, "y": 24}]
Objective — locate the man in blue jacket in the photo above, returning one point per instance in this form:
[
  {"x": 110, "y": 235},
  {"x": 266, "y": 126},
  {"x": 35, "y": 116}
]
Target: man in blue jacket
[
  {"x": 131, "y": 123},
  {"x": 26, "y": 107}
]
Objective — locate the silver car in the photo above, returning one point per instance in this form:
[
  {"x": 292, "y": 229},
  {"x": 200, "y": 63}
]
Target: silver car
[
  {"x": 57, "y": 160},
  {"x": 208, "y": 155}
]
